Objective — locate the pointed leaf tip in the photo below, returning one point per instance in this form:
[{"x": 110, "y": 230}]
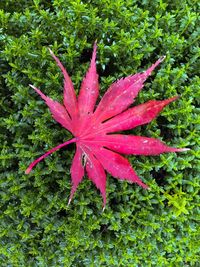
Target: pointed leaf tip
[
  {"x": 94, "y": 52},
  {"x": 69, "y": 201},
  {"x": 182, "y": 149},
  {"x": 35, "y": 162},
  {"x": 69, "y": 92},
  {"x": 95, "y": 49},
  {"x": 162, "y": 58},
  {"x": 89, "y": 88},
  {"x": 32, "y": 86},
  {"x": 38, "y": 91},
  {"x": 28, "y": 170},
  {"x": 174, "y": 98},
  {"x": 51, "y": 52},
  {"x": 144, "y": 186}
]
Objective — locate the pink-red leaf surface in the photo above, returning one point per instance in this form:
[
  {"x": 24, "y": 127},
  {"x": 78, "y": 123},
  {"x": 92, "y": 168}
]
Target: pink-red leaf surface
[{"x": 94, "y": 129}]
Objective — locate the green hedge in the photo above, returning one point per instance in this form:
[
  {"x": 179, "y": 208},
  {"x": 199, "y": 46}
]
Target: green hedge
[{"x": 138, "y": 228}]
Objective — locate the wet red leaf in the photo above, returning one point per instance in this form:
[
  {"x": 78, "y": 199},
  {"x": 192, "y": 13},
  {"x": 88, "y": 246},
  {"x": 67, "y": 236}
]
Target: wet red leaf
[{"x": 97, "y": 147}]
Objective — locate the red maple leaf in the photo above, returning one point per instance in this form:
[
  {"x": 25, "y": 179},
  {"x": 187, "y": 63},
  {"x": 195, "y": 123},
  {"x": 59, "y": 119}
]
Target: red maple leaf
[{"x": 93, "y": 128}]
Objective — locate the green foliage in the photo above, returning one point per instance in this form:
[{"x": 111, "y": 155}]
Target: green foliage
[{"x": 138, "y": 228}]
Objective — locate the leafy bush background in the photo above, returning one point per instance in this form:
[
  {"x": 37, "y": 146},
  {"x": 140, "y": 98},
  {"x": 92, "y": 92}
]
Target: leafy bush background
[{"x": 138, "y": 228}]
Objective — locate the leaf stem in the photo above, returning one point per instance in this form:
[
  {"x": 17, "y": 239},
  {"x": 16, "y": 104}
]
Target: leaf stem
[{"x": 35, "y": 162}]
